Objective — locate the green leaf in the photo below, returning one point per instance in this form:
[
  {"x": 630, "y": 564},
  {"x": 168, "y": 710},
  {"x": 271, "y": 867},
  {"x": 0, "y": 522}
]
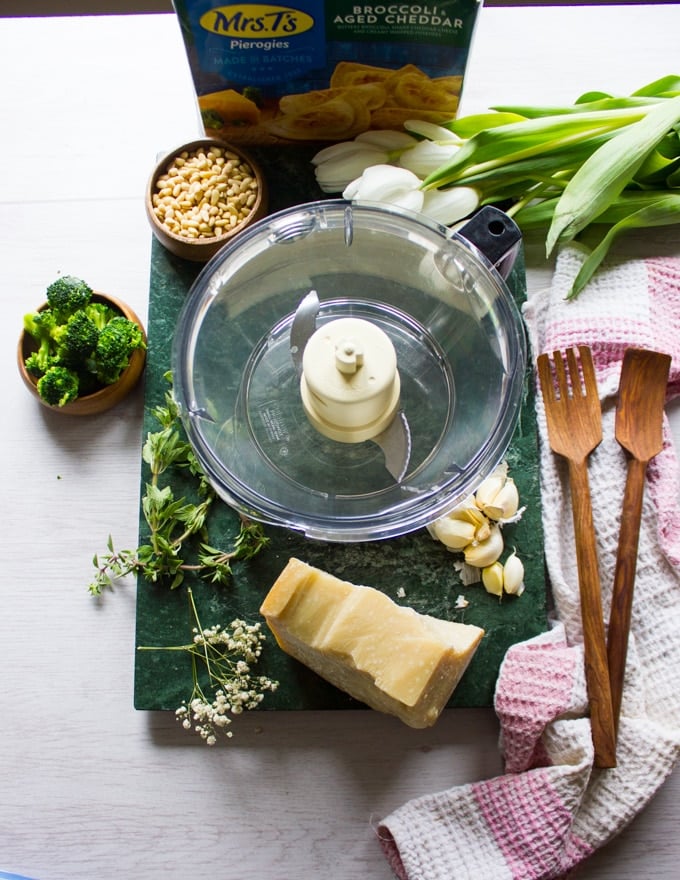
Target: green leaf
[
  {"x": 592, "y": 102},
  {"x": 178, "y": 579},
  {"x": 494, "y": 147},
  {"x": 667, "y": 85},
  {"x": 656, "y": 169},
  {"x": 590, "y": 97},
  {"x": 156, "y": 499},
  {"x": 170, "y": 521},
  {"x": 673, "y": 180},
  {"x": 193, "y": 515},
  {"x": 164, "y": 449},
  {"x": 663, "y": 212},
  {"x": 632, "y": 201},
  {"x": 535, "y": 215},
  {"x": 607, "y": 171},
  {"x": 556, "y": 166},
  {"x": 468, "y": 126}
]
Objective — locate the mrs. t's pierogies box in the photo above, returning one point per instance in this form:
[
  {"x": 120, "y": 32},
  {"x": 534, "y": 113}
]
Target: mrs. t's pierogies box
[{"x": 324, "y": 70}]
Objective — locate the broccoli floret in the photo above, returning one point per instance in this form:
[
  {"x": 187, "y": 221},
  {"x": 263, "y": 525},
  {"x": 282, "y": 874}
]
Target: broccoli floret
[
  {"x": 100, "y": 314},
  {"x": 41, "y": 326},
  {"x": 67, "y": 295},
  {"x": 58, "y": 386},
  {"x": 116, "y": 343},
  {"x": 76, "y": 340},
  {"x": 254, "y": 94},
  {"x": 39, "y": 362},
  {"x": 211, "y": 119}
]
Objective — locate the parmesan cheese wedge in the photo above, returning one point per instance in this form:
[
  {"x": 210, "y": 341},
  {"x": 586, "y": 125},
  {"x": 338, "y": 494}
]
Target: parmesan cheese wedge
[{"x": 388, "y": 656}]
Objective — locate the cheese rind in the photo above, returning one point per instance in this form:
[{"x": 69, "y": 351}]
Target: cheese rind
[{"x": 388, "y": 656}]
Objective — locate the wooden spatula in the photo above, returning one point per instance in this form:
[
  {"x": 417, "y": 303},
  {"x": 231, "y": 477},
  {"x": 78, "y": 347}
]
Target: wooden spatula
[{"x": 639, "y": 424}]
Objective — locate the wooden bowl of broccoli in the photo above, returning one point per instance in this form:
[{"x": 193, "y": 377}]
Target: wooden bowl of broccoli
[{"x": 81, "y": 352}]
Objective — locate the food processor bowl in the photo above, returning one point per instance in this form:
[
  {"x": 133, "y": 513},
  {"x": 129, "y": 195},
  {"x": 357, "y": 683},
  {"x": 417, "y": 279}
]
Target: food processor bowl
[{"x": 434, "y": 299}]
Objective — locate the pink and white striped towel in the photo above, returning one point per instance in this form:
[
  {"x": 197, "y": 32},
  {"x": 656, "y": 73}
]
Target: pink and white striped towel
[{"x": 552, "y": 808}]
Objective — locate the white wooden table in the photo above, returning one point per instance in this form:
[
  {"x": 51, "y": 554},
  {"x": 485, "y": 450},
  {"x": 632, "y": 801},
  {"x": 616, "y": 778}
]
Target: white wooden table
[{"x": 90, "y": 789}]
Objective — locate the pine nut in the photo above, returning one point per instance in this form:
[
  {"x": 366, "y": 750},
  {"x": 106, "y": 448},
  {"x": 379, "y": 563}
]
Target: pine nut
[{"x": 205, "y": 193}]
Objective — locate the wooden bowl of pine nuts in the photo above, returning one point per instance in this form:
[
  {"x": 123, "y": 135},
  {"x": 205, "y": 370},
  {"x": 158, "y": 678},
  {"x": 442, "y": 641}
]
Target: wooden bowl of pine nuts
[{"x": 201, "y": 194}]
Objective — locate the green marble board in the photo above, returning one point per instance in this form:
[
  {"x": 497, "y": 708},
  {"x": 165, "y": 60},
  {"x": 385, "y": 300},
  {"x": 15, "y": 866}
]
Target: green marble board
[{"x": 414, "y": 570}]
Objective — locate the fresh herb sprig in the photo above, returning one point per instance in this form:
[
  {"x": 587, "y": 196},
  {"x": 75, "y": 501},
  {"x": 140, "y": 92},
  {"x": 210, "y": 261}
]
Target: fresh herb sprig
[
  {"x": 173, "y": 522},
  {"x": 227, "y": 655}
]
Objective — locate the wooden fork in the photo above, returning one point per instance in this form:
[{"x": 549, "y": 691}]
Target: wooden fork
[{"x": 574, "y": 420}]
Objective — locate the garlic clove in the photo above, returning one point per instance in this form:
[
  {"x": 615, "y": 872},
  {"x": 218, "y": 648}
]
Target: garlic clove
[
  {"x": 481, "y": 523},
  {"x": 492, "y": 578},
  {"x": 467, "y": 510},
  {"x": 488, "y": 490},
  {"x": 505, "y": 504},
  {"x": 497, "y": 496},
  {"x": 467, "y": 503},
  {"x": 454, "y": 533},
  {"x": 513, "y": 575},
  {"x": 470, "y": 513},
  {"x": 461, "y": 526},
  {"x": 483, "y": 553}
]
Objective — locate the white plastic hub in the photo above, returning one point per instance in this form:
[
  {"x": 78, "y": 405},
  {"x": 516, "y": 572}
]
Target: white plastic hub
[{"x": 350, "y": 383}]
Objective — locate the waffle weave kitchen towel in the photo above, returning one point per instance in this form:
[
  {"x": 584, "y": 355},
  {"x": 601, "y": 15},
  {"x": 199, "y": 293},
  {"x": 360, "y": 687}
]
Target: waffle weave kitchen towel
[{"x": 552, "y": 808}]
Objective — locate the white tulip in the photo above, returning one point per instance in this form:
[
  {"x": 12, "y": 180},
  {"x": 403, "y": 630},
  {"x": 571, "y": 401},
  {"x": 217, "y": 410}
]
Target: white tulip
[
  {"x": 426, "y": 157},
  {"x": 386, "y": 139},
  {"x": 339, "y": 164},
  {"x": 432, "y": 132},
  {"x": 387, "y": 184},
  {"x": 447, "y": 206}
]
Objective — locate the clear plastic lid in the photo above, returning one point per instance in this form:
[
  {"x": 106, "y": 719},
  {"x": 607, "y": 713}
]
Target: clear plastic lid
[{"x": 460, "y": 351}]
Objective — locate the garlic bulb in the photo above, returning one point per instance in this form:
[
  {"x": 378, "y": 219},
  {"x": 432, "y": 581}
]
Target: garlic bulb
[{"x": 473, "y": 528}]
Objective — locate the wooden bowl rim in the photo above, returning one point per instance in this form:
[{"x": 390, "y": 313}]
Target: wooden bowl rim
[
  {"x": 97, "y": 401},
  {"x": 216, "y": 240}
]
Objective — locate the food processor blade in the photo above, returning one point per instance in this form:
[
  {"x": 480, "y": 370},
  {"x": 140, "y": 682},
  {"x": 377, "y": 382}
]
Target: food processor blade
[
  {"x": 303, "y": 327},
  {"x": 395, "y": 442}
]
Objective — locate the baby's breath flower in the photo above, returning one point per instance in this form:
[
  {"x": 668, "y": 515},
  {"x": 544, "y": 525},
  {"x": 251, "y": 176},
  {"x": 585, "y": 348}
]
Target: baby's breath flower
[{"x": 226, "y": 653}]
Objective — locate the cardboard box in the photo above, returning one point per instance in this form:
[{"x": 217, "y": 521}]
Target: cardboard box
[{"x": 324, "y": 70}]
